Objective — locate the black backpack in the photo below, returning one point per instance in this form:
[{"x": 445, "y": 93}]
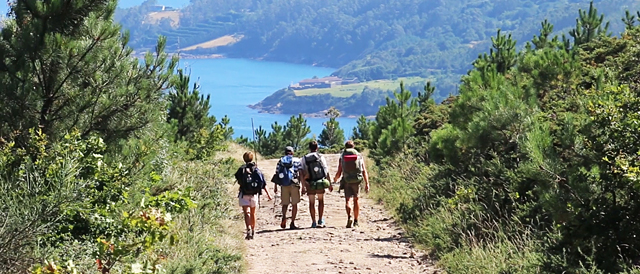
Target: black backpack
[
  {"x": 314, "y": 167},
  {"x": 250, "y": 183}
]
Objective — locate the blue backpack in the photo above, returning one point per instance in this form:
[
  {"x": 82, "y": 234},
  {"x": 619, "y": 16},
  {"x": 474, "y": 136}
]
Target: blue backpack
[{"x": 285, "y": 172}]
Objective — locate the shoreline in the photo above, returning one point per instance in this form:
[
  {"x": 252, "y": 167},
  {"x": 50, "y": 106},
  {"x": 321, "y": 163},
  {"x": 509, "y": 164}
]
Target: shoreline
[
  {"x": 187, "y": 55},
  {"x": 184, "y": 55},
  {"x": 320, "y": 114}
]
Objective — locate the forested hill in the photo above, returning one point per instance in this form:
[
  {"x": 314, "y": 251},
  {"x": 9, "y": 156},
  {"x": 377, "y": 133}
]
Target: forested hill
[{"x": 370, "y": 39}]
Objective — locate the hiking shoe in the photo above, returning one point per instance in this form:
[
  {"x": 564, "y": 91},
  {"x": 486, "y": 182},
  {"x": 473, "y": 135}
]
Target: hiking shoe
[
  {"x": 321, "y": 223},
  {"x": 248, "y": 237},
  {"x": 313, "y": 225},
  {"x": 252, "y": 232},
  {"x": 283, "y": 224},
  {"x": 349, "y": 222},
  {"x": 293, "y": 226},
  {"x": 355, "y": 223}
]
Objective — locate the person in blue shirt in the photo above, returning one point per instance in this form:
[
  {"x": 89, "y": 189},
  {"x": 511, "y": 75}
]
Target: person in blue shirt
[{"x": 287, "y": 177}]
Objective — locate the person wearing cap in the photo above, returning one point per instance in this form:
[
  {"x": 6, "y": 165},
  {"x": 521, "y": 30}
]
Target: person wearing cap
[{"x": 287, "y": 174}]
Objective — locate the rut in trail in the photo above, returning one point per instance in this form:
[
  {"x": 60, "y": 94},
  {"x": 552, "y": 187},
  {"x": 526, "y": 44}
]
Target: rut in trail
[{"x": 376, "y": 246}]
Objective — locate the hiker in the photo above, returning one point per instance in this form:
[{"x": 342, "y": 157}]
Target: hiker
[
  {"x": 251, "y": 183},
  {"x": 286, "y": 176},
  {"x": 353, "y": 171},
  {"x": 315, "y": 179}
]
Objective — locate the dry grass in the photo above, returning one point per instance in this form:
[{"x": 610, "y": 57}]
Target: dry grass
[
  {"x": 218, "y": 42},
  {"x": 173, "y": 15},
  {"x": 209, "y": 238},
  {"x": 235, "y": 151}
]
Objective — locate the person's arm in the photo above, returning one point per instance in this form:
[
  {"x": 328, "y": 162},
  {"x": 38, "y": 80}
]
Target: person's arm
[
  {"x": 275, "y": 186},
  {"x": 238, "y": 176},
  {"x": 339, "y": 173},
  {"x": 323, "y": 161},
  {"x": 302, "y": 176},
  {"x": 365, "y": 174},
  {"x": 264, "y": 185}
]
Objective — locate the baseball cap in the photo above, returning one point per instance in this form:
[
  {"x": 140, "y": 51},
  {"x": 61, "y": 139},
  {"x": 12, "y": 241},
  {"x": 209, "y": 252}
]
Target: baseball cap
[{"x": 288, "y": 149}]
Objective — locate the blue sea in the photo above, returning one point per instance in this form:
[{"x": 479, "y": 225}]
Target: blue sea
[{"x": 235, "y": 83}]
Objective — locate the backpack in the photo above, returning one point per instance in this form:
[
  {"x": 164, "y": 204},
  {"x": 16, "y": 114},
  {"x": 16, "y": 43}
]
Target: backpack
[
  {"x": 285, "y": 172},
  {"x": 314, "y": 167},
  {"x": 250, "y": 183},
  {"x": 352, "y": 166}
]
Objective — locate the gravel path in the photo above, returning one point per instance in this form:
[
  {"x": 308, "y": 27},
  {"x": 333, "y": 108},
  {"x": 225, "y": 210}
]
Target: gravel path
[{"x": 378, "y": 245}]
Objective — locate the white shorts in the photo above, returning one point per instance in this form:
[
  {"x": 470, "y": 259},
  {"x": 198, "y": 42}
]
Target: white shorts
[{"x": 249, "y": 200}]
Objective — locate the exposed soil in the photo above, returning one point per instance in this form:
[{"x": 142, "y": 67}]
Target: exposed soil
[{"x": 378, "y": 245}]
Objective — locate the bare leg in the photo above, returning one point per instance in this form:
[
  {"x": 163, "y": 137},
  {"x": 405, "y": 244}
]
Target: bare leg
[
  {"x": 356, "y": 208},
  {"x": 320, "y": 206},
  {"x": 284, "y": 212},
  {"x": 312, "y": 207},
  {"x": 294, "y": 212},
  {"x": 247, "y": 219},
  {"x": 347, "y": 207},
  {"x": 253, "y": 218}
]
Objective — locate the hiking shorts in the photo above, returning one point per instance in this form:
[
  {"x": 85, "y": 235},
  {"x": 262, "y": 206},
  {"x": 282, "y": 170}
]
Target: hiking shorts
[
  {"x": 351, "y": 190},
  {"x": 290, "y": 194},
  {"x": 314, "y": 191},
  {"x": 249, "y": 200},
  {"x": 317, "y": 187}
]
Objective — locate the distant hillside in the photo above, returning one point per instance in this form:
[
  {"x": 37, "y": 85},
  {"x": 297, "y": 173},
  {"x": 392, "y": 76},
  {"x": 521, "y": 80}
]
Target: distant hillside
[
  {"x": 368, "y": 39},
  {"x": 351, "y": 100}
]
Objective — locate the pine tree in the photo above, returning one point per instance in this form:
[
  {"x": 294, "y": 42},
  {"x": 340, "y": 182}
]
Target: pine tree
[
  {"x": 188, "y": 110},
  {"x": 332, "y": 134},
  {"x": 394, "y": 123},
  {"x": 629, "y": 20},
  {"x": 542, "y": 41},
  {"x": 276, "y": 140},
  {"x": 66, "y": 65},
  {"x": 296, "y": 130},
  {"x": 588, "y": 26},
  {"x": 363, "y": 130},
  {"x": 502, "y": 56}
]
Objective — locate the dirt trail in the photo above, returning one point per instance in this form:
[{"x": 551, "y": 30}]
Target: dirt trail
[{"x": 376, "y": 246}]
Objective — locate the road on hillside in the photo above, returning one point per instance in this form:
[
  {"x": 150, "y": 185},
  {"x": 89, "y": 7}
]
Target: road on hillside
[{"x": 378, "y": 245}]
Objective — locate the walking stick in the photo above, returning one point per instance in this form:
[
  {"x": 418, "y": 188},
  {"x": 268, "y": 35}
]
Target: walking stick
[{"x": 253, "y": 132}]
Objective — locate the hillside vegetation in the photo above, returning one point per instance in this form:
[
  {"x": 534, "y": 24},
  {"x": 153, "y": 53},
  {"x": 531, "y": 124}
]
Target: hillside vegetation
[
  {"x": 108, "y": 163},
  {"x": 533, "y": 167},
  {"x": 369, "y": 39}
]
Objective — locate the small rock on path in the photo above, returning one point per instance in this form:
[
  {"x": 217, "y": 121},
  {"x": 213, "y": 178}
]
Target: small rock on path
[{"x": 378, "y": 245}]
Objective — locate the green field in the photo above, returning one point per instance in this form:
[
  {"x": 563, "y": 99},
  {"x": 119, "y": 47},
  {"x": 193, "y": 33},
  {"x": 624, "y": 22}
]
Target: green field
[{"x": 348, "y": 90}]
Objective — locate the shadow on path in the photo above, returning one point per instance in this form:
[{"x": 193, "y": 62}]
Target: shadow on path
[{"x": 389, "y": 256}]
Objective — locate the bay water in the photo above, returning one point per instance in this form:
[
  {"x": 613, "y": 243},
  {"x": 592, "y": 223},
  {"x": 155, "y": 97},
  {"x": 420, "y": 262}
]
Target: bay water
[{"x": 233, "y": 84}]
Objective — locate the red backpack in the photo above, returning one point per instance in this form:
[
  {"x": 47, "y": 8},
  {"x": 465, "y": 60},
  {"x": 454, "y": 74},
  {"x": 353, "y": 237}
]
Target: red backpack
[{"x": 352, "y": 166}]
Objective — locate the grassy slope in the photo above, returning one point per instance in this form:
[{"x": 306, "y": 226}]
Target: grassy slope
[
  {"x": 218, "y": 42},
  {"x": 209, "y": 236},
  {"x": 348, "y": 90}
]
